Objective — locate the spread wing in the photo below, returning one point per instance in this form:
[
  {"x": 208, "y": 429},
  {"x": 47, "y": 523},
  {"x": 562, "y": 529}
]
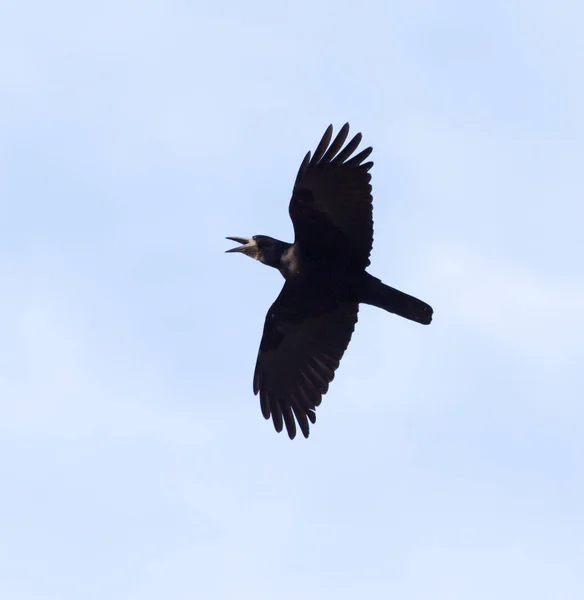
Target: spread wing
[
  {"x": 306, "y": 333},
  {"x": 331, "y": 206}
]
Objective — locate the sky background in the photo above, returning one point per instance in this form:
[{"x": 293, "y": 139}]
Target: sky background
[{"x": 446, "y": 461}]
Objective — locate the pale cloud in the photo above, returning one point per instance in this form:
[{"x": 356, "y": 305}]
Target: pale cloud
[
  {"x": 66, "y": 382},
  {"x": 538, "y": 318},
  {"x": 136, "y": 136}
]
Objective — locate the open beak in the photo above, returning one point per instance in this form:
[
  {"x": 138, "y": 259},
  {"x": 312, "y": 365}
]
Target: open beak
[{"x": 246, "y": 243}]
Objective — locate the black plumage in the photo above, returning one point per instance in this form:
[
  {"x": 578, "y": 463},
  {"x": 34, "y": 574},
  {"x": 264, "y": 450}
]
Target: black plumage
[{"x": 309, "y": 326}]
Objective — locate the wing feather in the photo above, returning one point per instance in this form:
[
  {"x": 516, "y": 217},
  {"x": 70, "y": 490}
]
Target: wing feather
[
  {"x": 331, "y": 206},
  {"x": 322, "y": 145},
  {"x": 305, "y": 336},
  {"x": 337, "y": 144}
]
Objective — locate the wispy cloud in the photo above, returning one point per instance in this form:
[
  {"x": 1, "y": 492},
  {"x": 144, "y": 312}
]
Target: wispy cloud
[
  {"x": 135, "y": 461},
  {"x": 538, "y": 318}
]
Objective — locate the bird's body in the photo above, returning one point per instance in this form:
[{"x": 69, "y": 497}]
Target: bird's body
[{"x": 309, "y": 326}]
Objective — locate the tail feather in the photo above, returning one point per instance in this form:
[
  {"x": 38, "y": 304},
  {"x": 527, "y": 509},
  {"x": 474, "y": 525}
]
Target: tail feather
[{"x": 376, "y": 293}]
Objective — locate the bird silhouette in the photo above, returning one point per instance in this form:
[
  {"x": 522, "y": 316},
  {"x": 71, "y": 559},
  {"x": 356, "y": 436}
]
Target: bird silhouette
[{"x": 309, "y": 326}]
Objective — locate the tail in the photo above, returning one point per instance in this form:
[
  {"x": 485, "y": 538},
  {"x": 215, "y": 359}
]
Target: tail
[{"x": 376, "y": 293}]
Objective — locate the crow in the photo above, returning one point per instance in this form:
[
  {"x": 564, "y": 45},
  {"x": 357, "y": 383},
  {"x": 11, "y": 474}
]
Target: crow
[{"x": 309, "y": 326}]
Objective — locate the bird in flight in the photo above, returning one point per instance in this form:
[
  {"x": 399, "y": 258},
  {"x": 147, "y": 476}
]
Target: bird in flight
[{"x": 309, "y": 326}]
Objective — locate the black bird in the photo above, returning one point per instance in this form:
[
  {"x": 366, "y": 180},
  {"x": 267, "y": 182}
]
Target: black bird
[{"x": 309, "y": 326}]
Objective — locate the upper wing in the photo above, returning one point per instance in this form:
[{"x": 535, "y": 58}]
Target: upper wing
[
  {"x": 305, "y": 335},
  {"x": 331, "y": 205}
]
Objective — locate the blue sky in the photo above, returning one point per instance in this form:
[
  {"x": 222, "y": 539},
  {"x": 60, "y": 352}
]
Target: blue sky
[{"x": 447, "y": 461}]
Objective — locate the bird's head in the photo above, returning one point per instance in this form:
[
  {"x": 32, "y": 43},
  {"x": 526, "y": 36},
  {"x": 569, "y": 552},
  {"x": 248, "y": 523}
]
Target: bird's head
[{"x": 261, "y": 247}]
